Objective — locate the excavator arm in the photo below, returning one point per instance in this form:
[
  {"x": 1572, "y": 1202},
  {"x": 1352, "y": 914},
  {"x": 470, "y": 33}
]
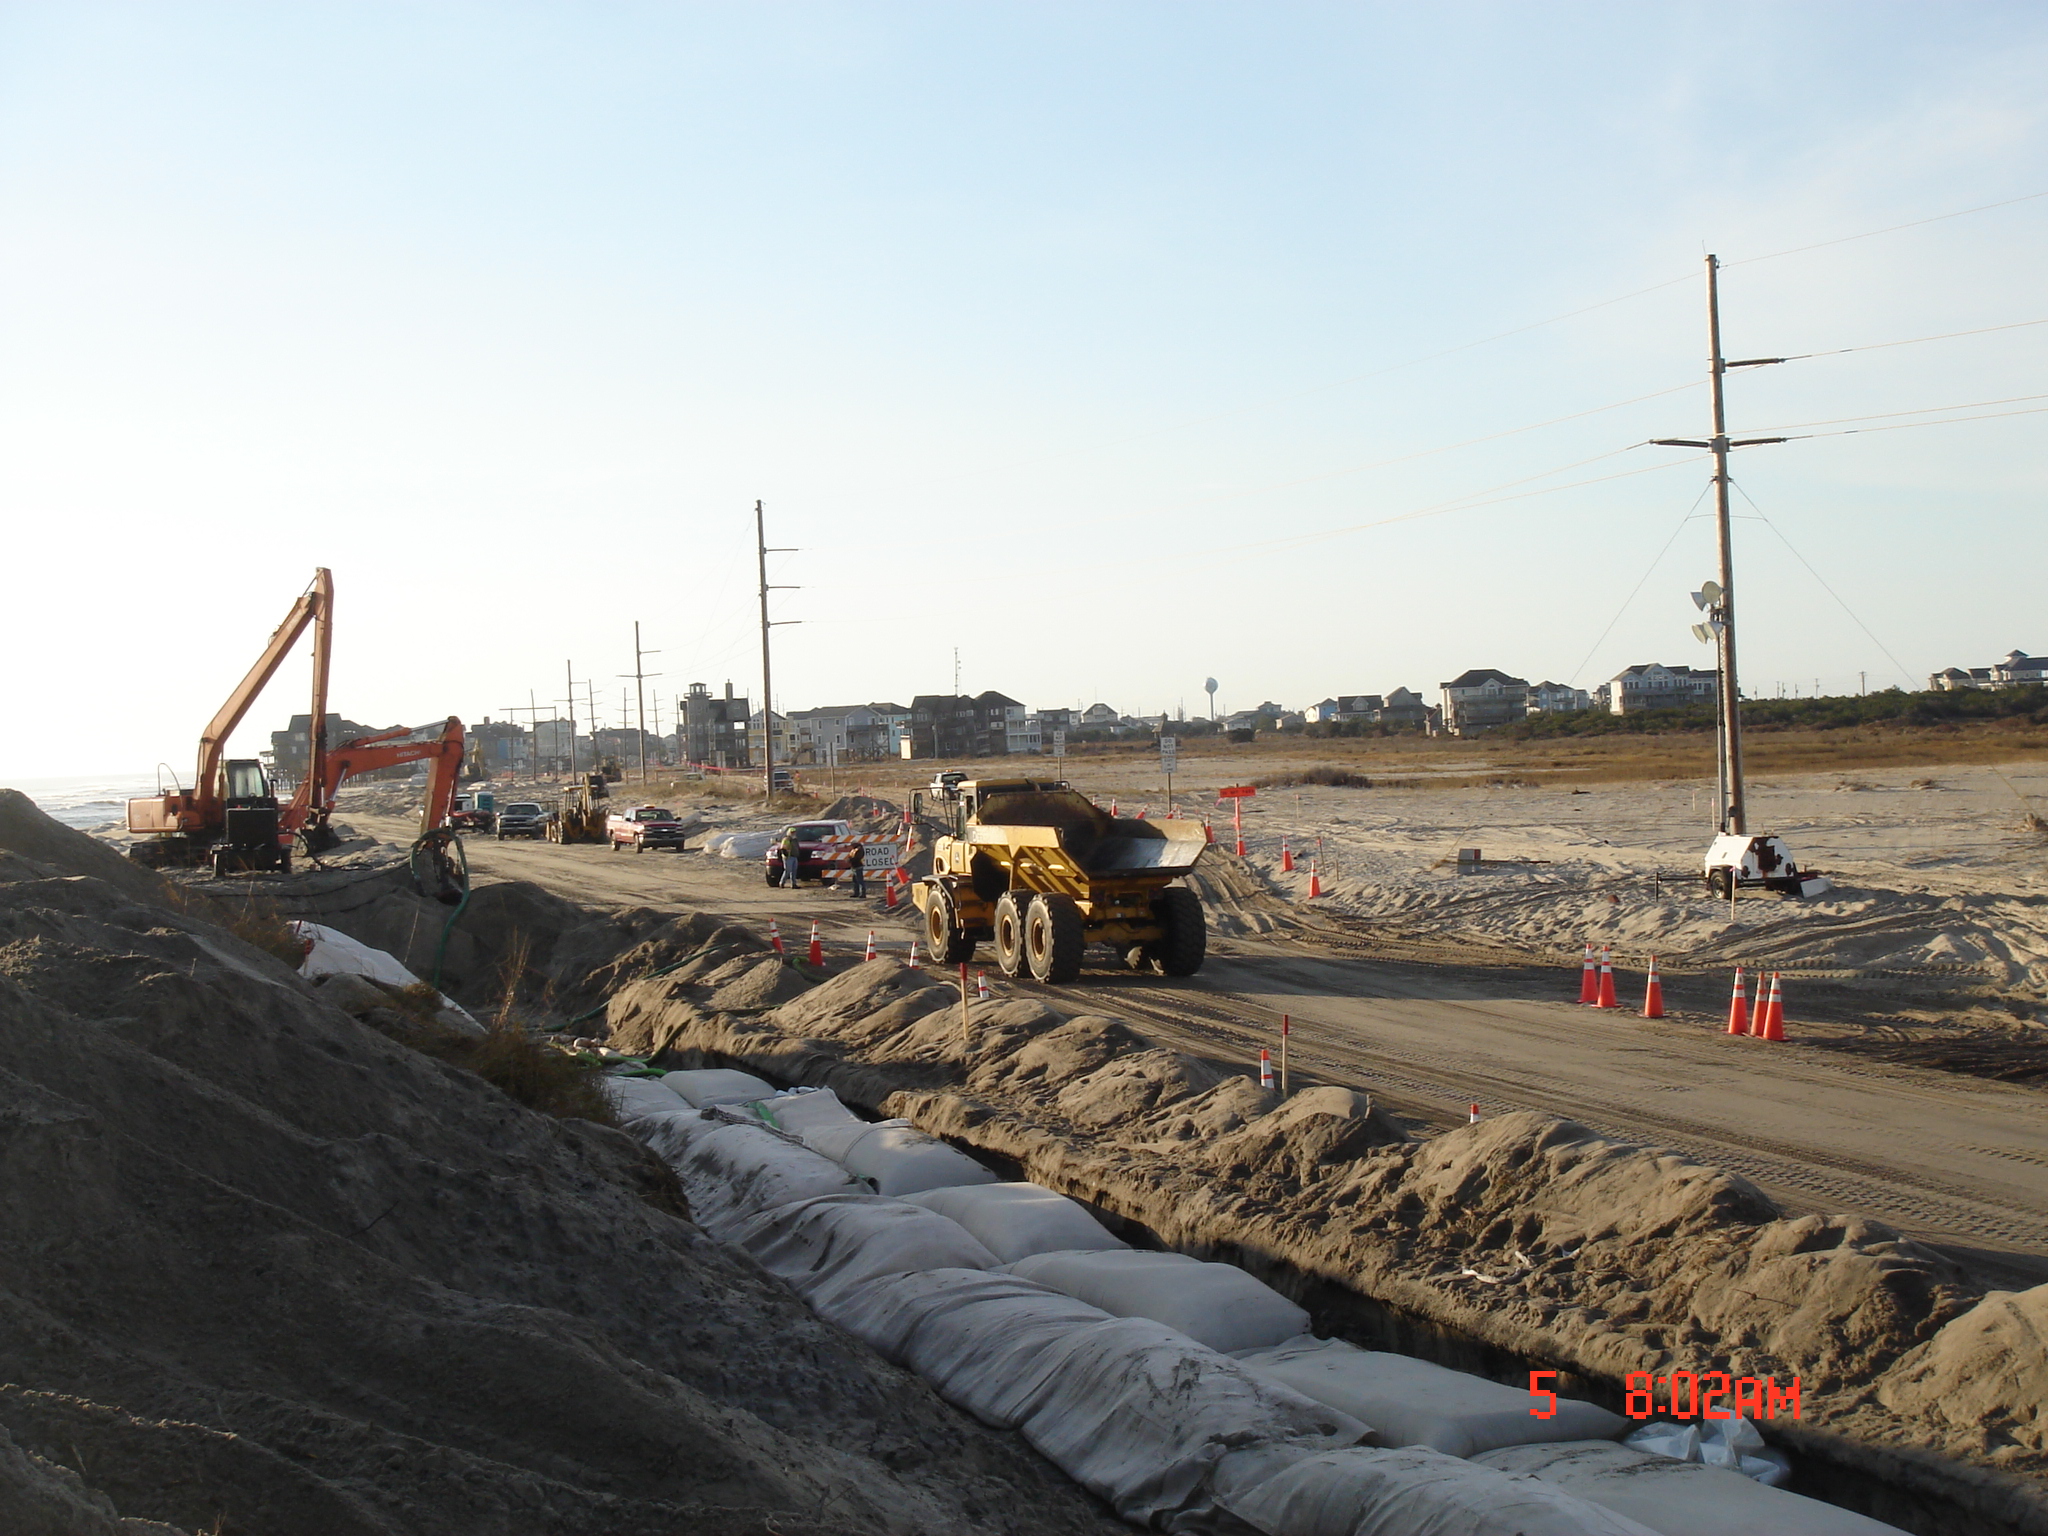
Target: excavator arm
[{"x": 438, "y": 745}]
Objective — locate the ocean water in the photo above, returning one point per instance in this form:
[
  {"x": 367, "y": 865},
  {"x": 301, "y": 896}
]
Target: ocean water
[{"x": 92, "y": 803}]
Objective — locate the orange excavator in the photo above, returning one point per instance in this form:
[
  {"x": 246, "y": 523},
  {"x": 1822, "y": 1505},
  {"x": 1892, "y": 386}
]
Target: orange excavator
[{"x": 231, "y": 817}]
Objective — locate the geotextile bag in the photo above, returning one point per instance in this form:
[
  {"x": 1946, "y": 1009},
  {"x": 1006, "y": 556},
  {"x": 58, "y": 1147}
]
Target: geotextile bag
[
  {"x": 830, "y": 1243},
  {"x": 1216, "y": 1304},
  {"x": 1016, "y": 1221},
  {"x": 1412, "y": 1402}
]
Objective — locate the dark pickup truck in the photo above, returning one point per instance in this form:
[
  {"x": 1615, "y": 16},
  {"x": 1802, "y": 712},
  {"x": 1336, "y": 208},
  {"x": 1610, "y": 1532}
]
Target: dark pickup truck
[{"x": 522, "y": 818}]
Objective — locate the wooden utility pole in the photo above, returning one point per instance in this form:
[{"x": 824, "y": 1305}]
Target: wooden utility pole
[
  {"x": 570, "y": 668},
  {"x": 1732, "y": 812},
  {"x": 762, "y": 552},
  {"x": 640, "y": 674}
]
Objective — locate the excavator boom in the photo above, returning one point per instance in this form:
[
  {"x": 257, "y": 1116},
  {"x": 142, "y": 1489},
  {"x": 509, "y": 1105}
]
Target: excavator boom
[{"x": 439, "y": 745}]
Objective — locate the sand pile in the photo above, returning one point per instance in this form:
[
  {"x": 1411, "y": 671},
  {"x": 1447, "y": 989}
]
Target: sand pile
[
  {"x": 1531, "y": 1235},
  {"x": 264, "y": 1270}
]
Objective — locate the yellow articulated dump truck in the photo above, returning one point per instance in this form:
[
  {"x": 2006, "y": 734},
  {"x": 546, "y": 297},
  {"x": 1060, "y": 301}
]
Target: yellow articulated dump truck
[{"x": 1041, "y": 871}]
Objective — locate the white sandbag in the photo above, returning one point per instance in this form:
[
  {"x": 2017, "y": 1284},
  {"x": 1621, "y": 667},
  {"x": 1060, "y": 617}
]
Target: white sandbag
[
  {"x": 670, "y": 1132},
  {"x": 1147, "y": 1419},
  {"x": 829, "y": 1243},
  {"x": 1412, "y": 1402},
  {"x": 1015, "y": 1221},
  {"x": 1732, "y": 1442},
  {"x": 971, "y": 1333},
  {"x": 734, "y": 1170},
  {"x": 1679, "y": 1498},
  {"x": 741, "y": 845},
  {"x": 897, "y": 1158},
  {"x": 717, "y": 1085},
  {"x": 1414, "y": 1492},
  {"x": 331, "y": 952},
  {"x": 1215, "y": 1304},
  {"x": 633, "y": 1097},
  {"x": 803, "y": 1114}
]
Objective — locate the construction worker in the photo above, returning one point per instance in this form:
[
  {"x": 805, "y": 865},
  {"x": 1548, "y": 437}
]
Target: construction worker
[
  {"x": 792, "y": 857},
  {"x": 857, "y": 864}
]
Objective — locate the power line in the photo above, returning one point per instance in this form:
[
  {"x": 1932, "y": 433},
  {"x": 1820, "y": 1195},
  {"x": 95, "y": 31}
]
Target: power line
[
  {"x": 1914, "y": 341},
  {"x": 1831, "y": 592},
  {"x": 1424, "y": 453},
  {"x": 1927, "y": 410},
  {"x": 1573, "y": 678},
  {"x": 1907, "y": 426},
  {"x": 1889, "y": 229}
]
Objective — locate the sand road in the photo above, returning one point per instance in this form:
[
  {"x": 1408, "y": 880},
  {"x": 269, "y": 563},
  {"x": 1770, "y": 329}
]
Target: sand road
[{"x": 1954, "y": 1160}]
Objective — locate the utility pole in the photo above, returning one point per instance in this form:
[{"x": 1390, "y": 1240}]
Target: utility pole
[
  {"x": 570, "y": 667},
  {"x": 532, "y": 713},
  {"x": 762, "y": 552},
  {"x": 1733, "y": 816},
  {"x": 639, "y": 674}
]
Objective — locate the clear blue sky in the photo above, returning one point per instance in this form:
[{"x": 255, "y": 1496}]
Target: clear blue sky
[{"x": 1039, "y": 328}]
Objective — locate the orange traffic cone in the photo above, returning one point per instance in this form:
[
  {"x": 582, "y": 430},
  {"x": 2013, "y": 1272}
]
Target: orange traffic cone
[
  {"x": 1653, "y": 994},
  {"x": 1606, "y": 999},
  {"x": 981, "y": 985},
  {"x": 775, "y": 938},
  {"x": 1112, "y": 808},
  {"x": 817, "y": 947},
  {"x": 1208, "y": 832},
  {"x": 1286, "y": 857},
  {"x": 1265, "y": 1069},
  {"x": 889, "y": 895},
  {"x": 912, "y": 961},
  {"x": 1738, "y": 1007},
  {"x": 1315, "y": 881},
  {"x": 871, "y": 947},
  {"x": 1144, "y": 811},
  {"x": 1475, "y": 1116},
  {"x": 1589, "y": 978},
  {"x": 1770, "y": 1019}
]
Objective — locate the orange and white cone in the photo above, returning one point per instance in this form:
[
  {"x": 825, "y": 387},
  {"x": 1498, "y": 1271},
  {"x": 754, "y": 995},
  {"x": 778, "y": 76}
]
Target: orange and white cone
[
  {"x": 871, "y": 947},
  {"x": 1589, "y": 978},
  {"x": 1475, "y": 1116},
  {"x": 912, "y": 961},
  {"x": 1770, "y": 1019},
  {"x": 1315, "y": 881},
  {"x": 1606, "y": 999},
  {"x": 817, "y": 945},
  {"x": 1144, "y": 811},
  {"x": 1286, "y": 857},
  {"x": 889, "y": 894},
  {"x": 1653, "y": 994},
  {"x": 1738, "y": 1007},
  {"x": 775, "y": 938},
  {"x": 1208, "y": 831},
  {"x": 1265, "y": 1069},
  {"x": 981, "y": 986},
  {"x": 1112, "y": 808}
]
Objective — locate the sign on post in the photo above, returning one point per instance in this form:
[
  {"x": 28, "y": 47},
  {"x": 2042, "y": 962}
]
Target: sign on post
[
  {"x": 1059, "y": 743},
  {"x": 1237, "y": 792},
  {"x": 1169, "y": 749}
]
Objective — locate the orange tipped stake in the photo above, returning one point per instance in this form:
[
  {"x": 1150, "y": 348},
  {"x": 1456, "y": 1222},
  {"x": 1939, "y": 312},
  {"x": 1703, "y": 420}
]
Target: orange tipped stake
[
  {"x": 1738, "y": 1007},
  {"x": 1653, "y": 994}
]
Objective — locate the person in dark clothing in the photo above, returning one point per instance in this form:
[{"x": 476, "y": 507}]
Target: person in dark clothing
[{"x": 857, "y": 864}]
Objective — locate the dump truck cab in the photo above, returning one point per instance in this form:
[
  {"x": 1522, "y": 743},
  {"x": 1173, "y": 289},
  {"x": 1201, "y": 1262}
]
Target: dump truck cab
[{"x": 1041, "y": 871}]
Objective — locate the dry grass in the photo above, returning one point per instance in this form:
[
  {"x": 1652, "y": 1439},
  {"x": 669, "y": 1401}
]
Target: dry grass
[
  {"x": 252, "y": 920},
  {"x": 535, "y": 1072},
  {"x": 1334, "y": 778}
]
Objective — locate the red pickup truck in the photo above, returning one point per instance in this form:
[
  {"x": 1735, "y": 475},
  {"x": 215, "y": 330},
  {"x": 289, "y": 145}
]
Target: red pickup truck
[{"x": 649, "y": 826}]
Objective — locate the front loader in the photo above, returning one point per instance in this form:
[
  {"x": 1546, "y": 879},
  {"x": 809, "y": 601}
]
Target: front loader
[{"x": 1038, "y": 869}]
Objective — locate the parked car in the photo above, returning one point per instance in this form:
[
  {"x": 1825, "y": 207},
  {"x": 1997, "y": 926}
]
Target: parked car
[
  {"x": 650, "y": 826},
  {"x": 814, "y": 854},
  {"x": 522, "y": 818}
]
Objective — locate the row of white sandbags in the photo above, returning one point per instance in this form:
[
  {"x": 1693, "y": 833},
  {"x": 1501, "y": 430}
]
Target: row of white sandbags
[{"x": 859, "y": 1258}]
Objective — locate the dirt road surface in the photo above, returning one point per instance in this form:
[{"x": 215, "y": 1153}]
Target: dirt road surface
[{"x": 1950, "y": 1159}]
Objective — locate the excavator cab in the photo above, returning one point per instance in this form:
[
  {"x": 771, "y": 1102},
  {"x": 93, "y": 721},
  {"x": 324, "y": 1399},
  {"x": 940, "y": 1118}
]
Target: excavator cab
[{"x": 249, "y": 836}]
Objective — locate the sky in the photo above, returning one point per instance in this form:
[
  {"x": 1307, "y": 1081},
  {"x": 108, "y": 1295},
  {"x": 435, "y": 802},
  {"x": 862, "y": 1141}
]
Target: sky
[{"x": 1107, "y": 347}]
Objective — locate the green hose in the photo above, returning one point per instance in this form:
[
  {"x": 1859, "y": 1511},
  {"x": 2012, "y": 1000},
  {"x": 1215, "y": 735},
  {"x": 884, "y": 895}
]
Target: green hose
[{"x": 452, "y": 871}]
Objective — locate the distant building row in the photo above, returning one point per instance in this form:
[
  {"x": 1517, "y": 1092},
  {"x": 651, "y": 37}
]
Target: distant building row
[
  {"x": 2017, "y": 669},
  {"x": 1483, "y": 698}
]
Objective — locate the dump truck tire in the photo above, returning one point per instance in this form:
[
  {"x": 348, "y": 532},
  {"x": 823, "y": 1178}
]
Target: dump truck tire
[
  {"x": 1054, "y": 937},
  {"x": 942, "y": 934},
  {"x": 1186, "y": 943},
  {"x": 1013, "y": 911}
]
